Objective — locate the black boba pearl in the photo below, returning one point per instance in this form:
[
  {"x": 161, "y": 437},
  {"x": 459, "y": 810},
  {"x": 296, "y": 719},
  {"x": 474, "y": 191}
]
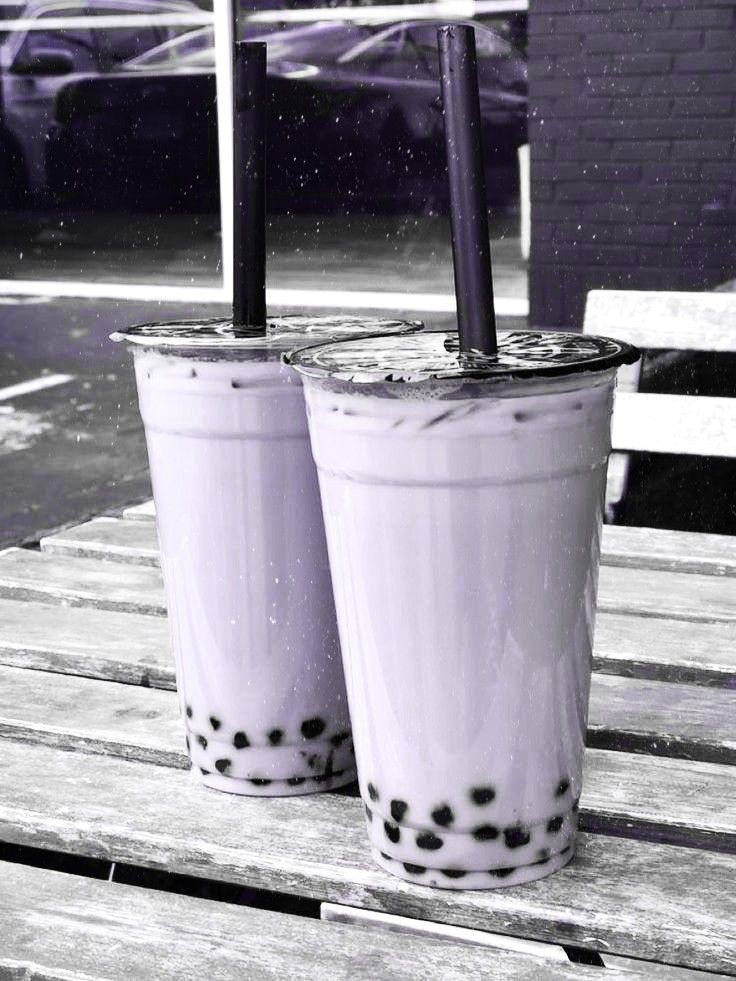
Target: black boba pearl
[
  {"x": 215, "y": 723},
  {"x": 368, "y": 812},
  {"x": 222, "y": 766},
  {"x": 501, "y": 873},
  {"x": 295, "y": 781},
  {"x": 429, "y": 841},
  {"x": 311, "y": 728},
  {"x": 393, "y": 832},
  {"x": 553, "y": 825},
  {"x": 485, "y": 832},
  {"x": 443, "y": 816},
  {"x": 189, "y": 711},
  {"x": 202, "y": 740},
  {"x": 482, "y": 795},
  {"x": 275, "y": 736},
  {"x": 562, "y": 787},
  {"x": 398, "y": 810},
  {"x": 372, "y": 792},
  {"x": 413, "y": 869},
  {"x": 516, "y": 836},
  {"x": 260, "y": 781},
  {"x": 240, "y": 740},
  {"x": 453, "y": 873},
  {"x": 339, "y": 738}
]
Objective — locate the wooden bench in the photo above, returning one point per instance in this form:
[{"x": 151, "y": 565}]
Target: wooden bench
[
  {"x": 654, "y": 423},
  {"x": 93, "y": 767}
]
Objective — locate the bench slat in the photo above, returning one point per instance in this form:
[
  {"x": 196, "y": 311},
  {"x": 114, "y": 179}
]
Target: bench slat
[
  {"x": 60, "y": 925},
  {"x": 628, "y": 715},
  {"x": 134, "y": 649},
  {"x": 647, "y": 548},
  {"x": 629, "y": 897},
  {"x": 30, "y": 575},
  {"x": 691, "y": 424},
  {"x": 673, "y": 800},
  {"x": 655, "y": 319}
]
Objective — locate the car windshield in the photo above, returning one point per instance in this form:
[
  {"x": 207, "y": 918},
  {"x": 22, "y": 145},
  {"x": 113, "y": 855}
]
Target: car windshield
[{"x": 194, "y": 46}]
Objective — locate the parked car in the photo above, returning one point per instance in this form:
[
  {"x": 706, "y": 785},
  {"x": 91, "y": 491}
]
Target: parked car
[
  {"x": 36, "y": 64},
  {"x": 354, "y": 121}
]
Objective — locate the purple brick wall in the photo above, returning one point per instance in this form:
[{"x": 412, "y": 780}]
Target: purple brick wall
[{"x": 632, "y": 123}]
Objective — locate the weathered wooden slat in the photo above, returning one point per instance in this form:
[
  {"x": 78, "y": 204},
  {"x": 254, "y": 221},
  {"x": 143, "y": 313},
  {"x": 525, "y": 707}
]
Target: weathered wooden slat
[
  {"x": 59, "y": 925},
  {"x": 672, "y": 800},
  {"x": 676, "y": 551},
  {"x": 654, "y": 319},
  {"x": 644, "y": 548},
  {"x": 26, "y": 574},
  {"x": 692, "y": 424},
  {"x": 127, "y": 647},
  {"x": 666, "y": 650},
  {"x": 662, "y": 719},
  {"x": 29, "y": 575},
  {"x": 134, "y": 649},
  {"x": 638, "y": 899}
]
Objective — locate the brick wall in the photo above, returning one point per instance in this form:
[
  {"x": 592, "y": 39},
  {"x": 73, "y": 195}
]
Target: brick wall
[{"x": 633, "y": 156}]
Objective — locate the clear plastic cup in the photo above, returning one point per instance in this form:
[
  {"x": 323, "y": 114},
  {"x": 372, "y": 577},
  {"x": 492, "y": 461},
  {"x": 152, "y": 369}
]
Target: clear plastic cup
[
  {"x": 243, "y": 551},
  {"x": 462, "y": 499}
]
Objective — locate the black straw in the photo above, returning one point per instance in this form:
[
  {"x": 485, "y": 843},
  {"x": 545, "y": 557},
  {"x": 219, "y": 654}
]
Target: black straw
[
  {"x": 249, "y": 180},
  {"x": 471, "y": 250}
]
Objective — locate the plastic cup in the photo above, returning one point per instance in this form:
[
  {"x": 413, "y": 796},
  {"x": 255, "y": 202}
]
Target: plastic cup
[
  {"x": 462, "y": 499},
  {"x": 243, "y": 552}
]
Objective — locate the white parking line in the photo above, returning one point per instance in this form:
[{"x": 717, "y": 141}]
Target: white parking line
[
  {"x": 33, "y": 385},
  {"x": 508, "y": 306}
]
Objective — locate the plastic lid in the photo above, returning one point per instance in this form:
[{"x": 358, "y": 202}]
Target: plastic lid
[
  {"x": 522, "y": 354},
  {"x": 218, "y": 335}
]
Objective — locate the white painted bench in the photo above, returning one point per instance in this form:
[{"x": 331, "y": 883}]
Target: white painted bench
[{"x": 654, "y": 423}]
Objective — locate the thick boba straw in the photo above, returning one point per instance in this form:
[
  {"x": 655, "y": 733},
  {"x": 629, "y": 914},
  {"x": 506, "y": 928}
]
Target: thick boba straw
[
  {"x": 471, "y": 252},
  {"x": 249, "y": 180}
]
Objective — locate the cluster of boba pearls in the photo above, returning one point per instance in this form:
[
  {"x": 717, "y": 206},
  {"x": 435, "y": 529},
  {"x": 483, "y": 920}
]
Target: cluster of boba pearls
[
  {"x": 410, "y": 845},
  {"x": 319, "y": 749}
]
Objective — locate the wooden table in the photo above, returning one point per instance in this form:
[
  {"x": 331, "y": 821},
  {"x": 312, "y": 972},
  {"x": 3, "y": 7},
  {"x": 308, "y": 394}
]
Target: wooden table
[{"x": 116, "y": 864}]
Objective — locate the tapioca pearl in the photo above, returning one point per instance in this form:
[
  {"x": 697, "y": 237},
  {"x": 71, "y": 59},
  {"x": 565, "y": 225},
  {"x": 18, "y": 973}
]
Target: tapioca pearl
[
  {"x": 339, "y": 738},
  {"x": 311, "y": 728},
  {"x": 222, "y": 766},
  {"x": 453, "y": 873},
  {"x": 189, "y": 711},
  {"x": 259, "y": 781},
  {"x": 485, "y": 832},
  {"x": 429, "y": 841},
  {"x": 516, "y": 836},
  {"x": 372, "y": 792},
  {"x": 413, "y": 869},
  {"x": 398, "y": 809},
  {"x": 368, "y": 812},
  {"x": 202, "y": 740},
  {"x": 393, "y": 832},
  {"x": 295, "y": 781},
  {"x": 554, "y": 825},
  {"x": 275, "y": 736},
  {"x": 215, "y": 723},
  {"x": 501, "y": 873},
  {"x": 482, "y": 795},
  {"x": 443, "y": 815},
  {"x": 562, "y": 787},
  {"x": 240, "y": 740}
]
